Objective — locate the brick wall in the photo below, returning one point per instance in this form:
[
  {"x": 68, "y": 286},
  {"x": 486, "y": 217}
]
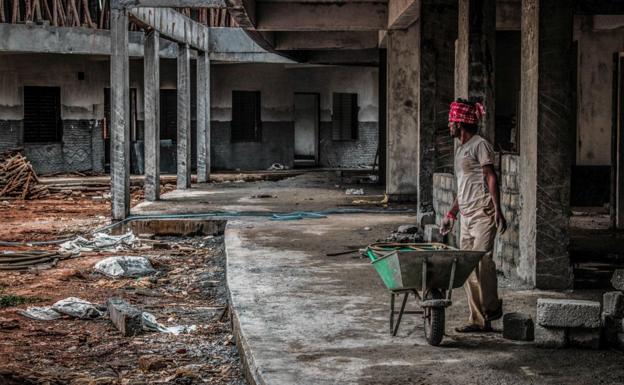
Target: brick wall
[
  {"x": 507, "y": 251},
  {"x": 10, "y": 134},
  {"x": 81, "y": 149},
  {"x": 352, "y": 153},
  {"x": 444, "y": 190}
]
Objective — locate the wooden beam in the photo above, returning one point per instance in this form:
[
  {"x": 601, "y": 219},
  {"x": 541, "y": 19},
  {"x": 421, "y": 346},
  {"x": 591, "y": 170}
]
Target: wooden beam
[
  {"x": 279, "y": 16},
  {"x": 172, "y": 3},
  {"x": 402, "y": 13},
  {"x": 325, "y": 40}
]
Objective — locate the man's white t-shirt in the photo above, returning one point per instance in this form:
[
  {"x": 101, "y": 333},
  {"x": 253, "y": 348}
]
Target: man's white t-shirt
[{"x": 472, "y": 190}]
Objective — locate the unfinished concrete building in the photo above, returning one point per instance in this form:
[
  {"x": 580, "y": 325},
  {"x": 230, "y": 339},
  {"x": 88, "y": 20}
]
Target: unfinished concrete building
[{"x": 332, "y": 84}]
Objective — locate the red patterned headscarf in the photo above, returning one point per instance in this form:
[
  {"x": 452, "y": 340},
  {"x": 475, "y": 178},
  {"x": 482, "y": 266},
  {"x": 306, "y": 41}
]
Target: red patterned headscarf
[{"x": 466, "y": 113}]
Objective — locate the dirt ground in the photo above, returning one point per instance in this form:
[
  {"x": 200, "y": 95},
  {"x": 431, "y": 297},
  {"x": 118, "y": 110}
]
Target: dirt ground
[{"x": 189, "y": 289}]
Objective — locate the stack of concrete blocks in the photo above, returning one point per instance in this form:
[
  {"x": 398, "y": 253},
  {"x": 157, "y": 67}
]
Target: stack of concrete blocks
[
  {"x": 507, "y": 248},
  {"x": 444, "y": 191},
  {"x": 613, "y": 312},
  {"x": 568, "y": 323}
]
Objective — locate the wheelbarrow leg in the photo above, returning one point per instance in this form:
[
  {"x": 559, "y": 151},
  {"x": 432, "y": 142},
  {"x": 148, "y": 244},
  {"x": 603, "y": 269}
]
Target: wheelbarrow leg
[
  {"x": 396, "y": 327},
  {"x": 391, "y": 312}
]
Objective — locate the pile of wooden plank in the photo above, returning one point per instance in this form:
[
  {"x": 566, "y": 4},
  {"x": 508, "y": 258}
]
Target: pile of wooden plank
[{"x": 18, "y": 180}]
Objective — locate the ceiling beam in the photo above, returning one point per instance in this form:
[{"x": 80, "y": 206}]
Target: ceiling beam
[
  {"x": 279, "y": 16},
  {"x": 174, "y": 25},
  {"x": 285, "y": 41},
  {"x": 402, "y": 13}
]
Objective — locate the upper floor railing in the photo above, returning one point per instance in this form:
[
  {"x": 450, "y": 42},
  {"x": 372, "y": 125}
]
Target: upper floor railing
[{"x": 90, "y": 13}]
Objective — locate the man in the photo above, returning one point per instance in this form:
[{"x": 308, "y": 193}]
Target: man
[{"x": 478, "y": 202}]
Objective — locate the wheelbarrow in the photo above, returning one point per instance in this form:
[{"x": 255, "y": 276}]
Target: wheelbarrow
[{"x": 433, "y": 268}]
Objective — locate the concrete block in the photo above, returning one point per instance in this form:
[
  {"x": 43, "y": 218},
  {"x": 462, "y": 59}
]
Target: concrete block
[
  {"x": 584, "y": 338},
  {"x": 618, "y": 279},
  {"x": 125, "y": 317},
  {"x": 518, "y": 327},
  {"x": 432, "y": 234},
  {"x": 620, "y": 341},
  {"x": 550, "y": 337},
  {"x": 613, "y": 303},
  {"x": 568, "y": 313},
  {"x": 611, "y": 326}
]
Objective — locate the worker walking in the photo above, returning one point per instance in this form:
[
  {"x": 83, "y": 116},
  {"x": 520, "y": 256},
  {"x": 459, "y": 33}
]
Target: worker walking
[{"x": 478, "y": 202}]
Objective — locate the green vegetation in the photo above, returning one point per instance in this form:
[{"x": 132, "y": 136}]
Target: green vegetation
[{"x": 10, "y": 300}]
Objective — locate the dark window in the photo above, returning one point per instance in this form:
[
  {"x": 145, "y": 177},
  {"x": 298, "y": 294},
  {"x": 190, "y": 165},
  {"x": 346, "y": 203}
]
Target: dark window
[
  {"x": 168, "y": 115},
  {"x": 345, "y": 117},
  {"x": 42, "y": 115},
  {"x": 246, "y": 124}
]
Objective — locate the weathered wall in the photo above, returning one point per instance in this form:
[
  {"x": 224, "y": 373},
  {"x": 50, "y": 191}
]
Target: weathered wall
[
  {"x": 82, "y": 108},
  {"x": 596, "y": 47},
  {"x": 444, "y": 191},
  {"x": 507, "y": 249}
]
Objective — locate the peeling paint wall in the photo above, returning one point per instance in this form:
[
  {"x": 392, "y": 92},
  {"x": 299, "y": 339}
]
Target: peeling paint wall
[{"x": 595, "y": 83}]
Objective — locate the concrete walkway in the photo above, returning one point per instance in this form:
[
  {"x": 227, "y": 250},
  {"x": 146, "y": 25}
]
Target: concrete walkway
[{"x": 302, "y": 317}]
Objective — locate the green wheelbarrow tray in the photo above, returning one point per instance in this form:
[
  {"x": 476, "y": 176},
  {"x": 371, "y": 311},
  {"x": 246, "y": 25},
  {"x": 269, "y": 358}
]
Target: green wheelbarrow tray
[{"x": 401, "y": 266}]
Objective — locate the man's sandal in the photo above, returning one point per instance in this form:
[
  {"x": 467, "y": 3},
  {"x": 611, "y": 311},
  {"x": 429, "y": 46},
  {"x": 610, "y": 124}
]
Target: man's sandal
[{"x": 472, "y": 328}]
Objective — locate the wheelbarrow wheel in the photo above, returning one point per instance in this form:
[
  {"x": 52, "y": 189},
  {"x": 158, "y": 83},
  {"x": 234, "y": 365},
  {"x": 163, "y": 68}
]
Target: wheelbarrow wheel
[{"x": 434, "y": 319}]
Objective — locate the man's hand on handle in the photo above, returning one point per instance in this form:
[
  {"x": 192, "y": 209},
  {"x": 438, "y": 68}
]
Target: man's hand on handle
[{"x": 447, "y": 225}]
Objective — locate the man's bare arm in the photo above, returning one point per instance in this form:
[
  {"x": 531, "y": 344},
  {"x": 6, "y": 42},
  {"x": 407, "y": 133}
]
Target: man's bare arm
[{"x": 492, "y": 183}]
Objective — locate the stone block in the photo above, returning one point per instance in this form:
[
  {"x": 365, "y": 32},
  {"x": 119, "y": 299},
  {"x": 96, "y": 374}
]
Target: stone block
[
  {"x": 613, "y": 303},
  {"x": 568, "y": 313},
  {"x": 550, "y": 337},
  {"x": 618, "y": 279},
  {"x": 125, "y": 317},
  {"x": 611, "y": 326},
  {"x": 518, "y": 327},
  {"x": 432, "y": 234},
  {"x": 584, "y": 338}
]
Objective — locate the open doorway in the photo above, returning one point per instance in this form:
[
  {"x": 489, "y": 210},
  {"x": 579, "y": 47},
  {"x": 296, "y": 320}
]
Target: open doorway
[{"x": 307, "y": 116}]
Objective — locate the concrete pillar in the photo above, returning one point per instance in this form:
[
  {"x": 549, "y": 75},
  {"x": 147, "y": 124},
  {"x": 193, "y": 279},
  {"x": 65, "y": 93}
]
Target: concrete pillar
[
  {"x": 120, "y": 114},
  {"x": 403, "y": 66},
  {"x": 184, "y": 116},
  {"x": 151, "y": 75},
  {"x": 474, "y": 60},
  {"x": 420, "y": 87},
  {"x": 545, "y": 135},
  {"x": 437, "y": 64},
  {"x": 203, "y": 117}
]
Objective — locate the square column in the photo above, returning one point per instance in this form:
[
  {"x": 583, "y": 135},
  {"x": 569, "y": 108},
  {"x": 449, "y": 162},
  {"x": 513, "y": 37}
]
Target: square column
[
  {"x": 203, "y": 117},
  {"x": 546, "y": 133},
  {"x": 403, "y": 66},
  {"x": 474, "y": 61},
  {"x": 120, "y": 115},
  {"x": 152, "y": 115},
  {"x": 184, "y": 117},
  {"x": 420, "y": 69}
]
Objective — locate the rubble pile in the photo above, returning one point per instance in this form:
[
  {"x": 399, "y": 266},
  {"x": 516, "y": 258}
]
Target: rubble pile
[
  {"x": 406, "y": 234},
  {"x": 18, "y": 180}
]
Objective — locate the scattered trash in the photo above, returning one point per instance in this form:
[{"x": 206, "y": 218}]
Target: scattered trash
[
  {"x": 407, "y": 229},
  {"x": 406, "y": 234},
  {"x": 150, "y": 324},
  {"x": 78, "y": 308},
  {"x": 276, "y": 166},
  {"x": 355, "y": 191},
  {"x": 125, "y": 266},
  {"x": 40, "y": 313},
  {"x": 23, "y": 260},
  {"x": 101, "y": 242}
]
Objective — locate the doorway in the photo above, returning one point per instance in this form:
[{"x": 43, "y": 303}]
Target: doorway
[{"x": 307, "y": 116}]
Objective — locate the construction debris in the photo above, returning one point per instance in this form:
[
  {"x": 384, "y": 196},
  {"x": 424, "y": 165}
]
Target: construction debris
[
  {"x": 518, "y": 327},
  {"x": 355, "y": 191},
  {"x": 77, "y": 308},
  {"x": 18, "y": 180},
  {"x": 126, "y": 318},
  {"x": 10, "y": 260},
  {"x": 40, "y": 313},
  {"x": 125, "y": 266},
  {"x": 101, "y": 242}
]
